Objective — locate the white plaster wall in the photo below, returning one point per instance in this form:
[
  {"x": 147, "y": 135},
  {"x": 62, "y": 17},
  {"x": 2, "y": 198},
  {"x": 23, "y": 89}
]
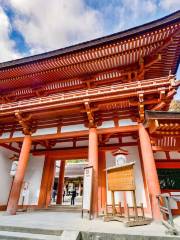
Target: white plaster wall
[
  {"x": 107, "y": 124},
  {"x": 112, "y": 141},
  {"x": 5, "y": 178},
  {"x": 140, "y": 192},
  {"x": 18, "y": 134},
  {"x": 63, "y": 145},
  {"x": 71, "y": 128},
  {"x": 160, "y": 155},
  {"x": 45, "y": 131},
  {"x": 33, "y": 177},
  {"x": 5, "y": 135},
  {"x": 82, "y": 143},
  {"x": 128, "y": 139},
  {"x": 126, "y": 122},
  {"x": 174, "y": 155}
]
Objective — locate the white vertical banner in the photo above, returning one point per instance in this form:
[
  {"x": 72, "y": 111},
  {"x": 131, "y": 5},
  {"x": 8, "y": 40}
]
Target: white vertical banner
[
  {"x": 87, "y": 189},
  {"x": 14, "y": 168}
]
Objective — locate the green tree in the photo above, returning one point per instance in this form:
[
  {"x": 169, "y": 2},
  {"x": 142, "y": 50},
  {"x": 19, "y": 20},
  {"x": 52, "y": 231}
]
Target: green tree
[{"x": 174, "y": 106}]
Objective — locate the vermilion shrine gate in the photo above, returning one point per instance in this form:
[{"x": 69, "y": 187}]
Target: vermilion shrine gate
[{"x": 85, "y": 101}]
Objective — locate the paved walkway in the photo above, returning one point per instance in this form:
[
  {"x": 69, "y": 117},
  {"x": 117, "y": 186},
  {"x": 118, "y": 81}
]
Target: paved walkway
[{"x": 73, "y": 221}]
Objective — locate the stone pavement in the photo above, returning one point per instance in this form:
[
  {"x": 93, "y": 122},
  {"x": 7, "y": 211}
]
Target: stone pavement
[{"x": 73, "y": 222}]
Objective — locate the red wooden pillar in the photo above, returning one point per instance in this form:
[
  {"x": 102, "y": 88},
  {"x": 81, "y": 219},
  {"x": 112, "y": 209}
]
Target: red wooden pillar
[
  {"x": 46, "y": 182},
  {"x": 93, "y": 160},
  {"x": 18, "y": 180},
  {"x": 50, "y": 182},
  {"x": 150, "y": 170},
  {"x": 60, "y": 189},
  {"x": 101, "y": 181}
]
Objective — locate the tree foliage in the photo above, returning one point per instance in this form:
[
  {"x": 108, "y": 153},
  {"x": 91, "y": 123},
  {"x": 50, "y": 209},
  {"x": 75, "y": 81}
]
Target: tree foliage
[{"x": 175, "y": 106}]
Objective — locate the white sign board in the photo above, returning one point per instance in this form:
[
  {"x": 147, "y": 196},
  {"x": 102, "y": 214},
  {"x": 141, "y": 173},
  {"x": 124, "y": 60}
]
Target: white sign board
[
  {"x": 87, "y": 188},
  {"x": 14, "y": 168}
]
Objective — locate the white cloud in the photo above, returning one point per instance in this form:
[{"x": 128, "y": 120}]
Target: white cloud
[
  {"x": 7, "y": 46},
  {"x": 132, "y": 13},
  {"x": 52, "y": 24},
  {"x": 170, "y": 5},
  {"x": 47, "y": 25}
]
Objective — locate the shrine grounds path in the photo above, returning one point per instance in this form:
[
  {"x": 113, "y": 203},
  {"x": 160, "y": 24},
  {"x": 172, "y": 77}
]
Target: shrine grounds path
[{"x": 68, "y": 221}]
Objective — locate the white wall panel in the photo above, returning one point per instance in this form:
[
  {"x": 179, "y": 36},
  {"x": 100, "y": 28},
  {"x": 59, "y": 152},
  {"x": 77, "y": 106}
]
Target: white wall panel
[
  {"x": 5, "y": 178},
  {"x": 126, "y": 122},
  {"x": 33, "y": 177},
  {"x": 107, "y": 124},
  {"x": 44, "y": 131},
  {"x": 174, "y": 155},
  {"x": 160, "y": 155},
  {"x": 72, "y": 128}
]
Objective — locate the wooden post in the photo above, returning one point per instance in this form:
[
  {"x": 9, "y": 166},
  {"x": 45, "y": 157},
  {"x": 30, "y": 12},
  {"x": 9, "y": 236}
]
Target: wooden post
[
  {"x": 18, "y": 180},
  {"x": 93, "y": 161},
  {"x": 44, "y": 181},
  {"x": 102, "y": 181},
  {"x": 80, "y": 187},
  {"x": 61, "y": 183},
  {"x": 150, "y": 171},
  {"x": 113, "y": 203},
  {"x": 135, "y": 205},
  {"x": 50, "y": 182}
]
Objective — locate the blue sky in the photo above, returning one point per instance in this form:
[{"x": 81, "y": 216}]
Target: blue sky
[{"x": 34, "y": 26}]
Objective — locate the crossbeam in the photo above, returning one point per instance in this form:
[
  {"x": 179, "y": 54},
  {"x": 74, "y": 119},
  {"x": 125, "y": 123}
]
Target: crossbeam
[{"x": 122, "y": 129}]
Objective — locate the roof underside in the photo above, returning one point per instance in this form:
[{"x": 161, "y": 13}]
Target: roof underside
[{"x": 152, "y": 48}]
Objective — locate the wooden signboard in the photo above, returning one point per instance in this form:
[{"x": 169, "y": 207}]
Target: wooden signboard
[
  {"x": 121, "y": 178},
  {"x": 87, "y": 190}
]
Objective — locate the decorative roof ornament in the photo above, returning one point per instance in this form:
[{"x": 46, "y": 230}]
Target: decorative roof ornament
[{"x": 120, "y": 151}]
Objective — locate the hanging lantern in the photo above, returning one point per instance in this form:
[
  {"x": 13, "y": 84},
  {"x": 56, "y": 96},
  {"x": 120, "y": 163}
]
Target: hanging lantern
[{"x": 120, "y": 156}]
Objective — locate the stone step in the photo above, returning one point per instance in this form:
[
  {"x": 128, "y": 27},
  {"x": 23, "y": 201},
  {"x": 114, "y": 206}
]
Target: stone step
[
  {"x": 65, "y": 206},
  {"x": 44, "y": 231},
  {"x": 71, "y": 235},
  {"x": 60, "y": 208},
  {"x": 27, "y": 236}
]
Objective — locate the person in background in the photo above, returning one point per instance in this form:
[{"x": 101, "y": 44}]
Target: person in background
[
  {"x": 54, "y": 195},
  {"x": 64, "y": 193},
  {"x": 73, "y": 196}
]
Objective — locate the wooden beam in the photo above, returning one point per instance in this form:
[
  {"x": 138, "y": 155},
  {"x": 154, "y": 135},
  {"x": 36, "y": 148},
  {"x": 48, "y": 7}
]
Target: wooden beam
[
  {"x": 7, "y": 146},
  {"x": 159, "y": 106},
  {"x": 122, "y": 129},
  {"x": 71, "y": 151}
]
